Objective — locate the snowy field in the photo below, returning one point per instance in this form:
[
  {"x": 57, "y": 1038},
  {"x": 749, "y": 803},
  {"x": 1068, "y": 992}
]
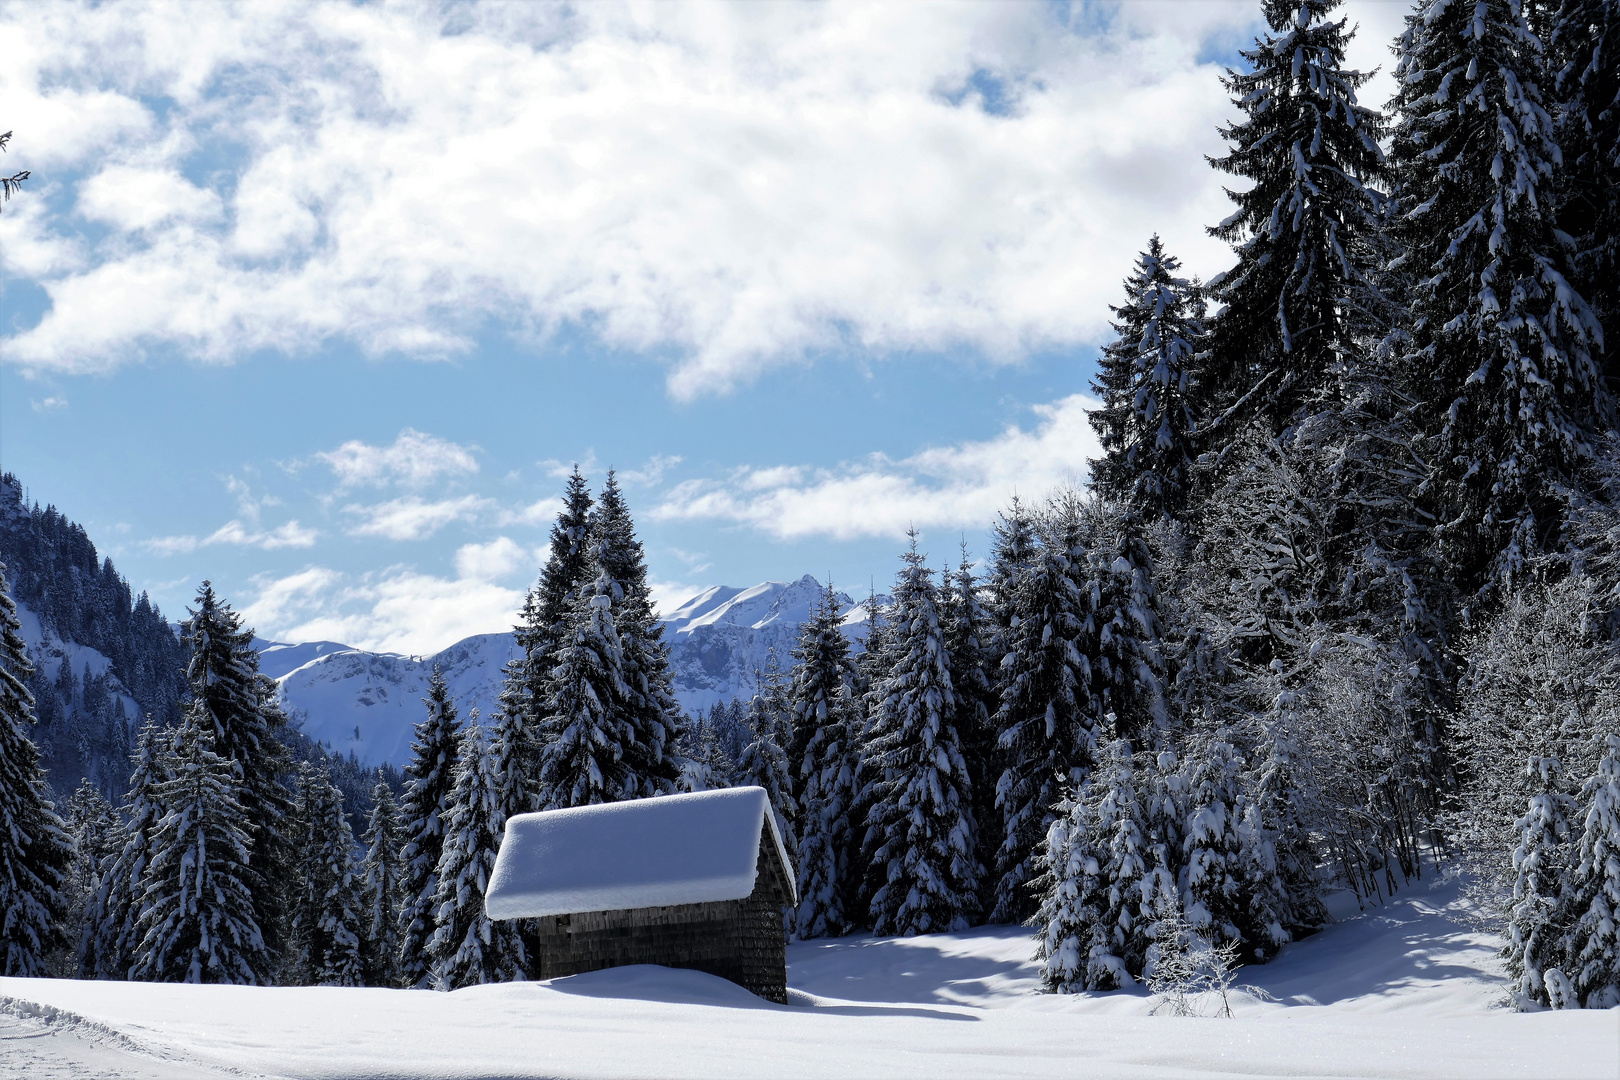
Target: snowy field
[{"x": 1402, "y": 991}]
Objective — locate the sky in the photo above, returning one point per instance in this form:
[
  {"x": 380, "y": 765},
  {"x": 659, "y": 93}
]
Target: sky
[{"x": 323, "y": 301}]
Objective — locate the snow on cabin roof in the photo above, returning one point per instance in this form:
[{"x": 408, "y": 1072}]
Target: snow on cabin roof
[{"x": 674, "y": 849}]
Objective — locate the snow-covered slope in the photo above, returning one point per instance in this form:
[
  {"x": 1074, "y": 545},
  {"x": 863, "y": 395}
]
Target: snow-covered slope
[
  {"x": 48, "y": 651},
  {"x": 367, "y": 703},
  {"x": 1402, "y": 991}
]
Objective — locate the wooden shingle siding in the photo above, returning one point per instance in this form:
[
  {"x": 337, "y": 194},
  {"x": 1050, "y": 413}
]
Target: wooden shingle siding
[{"x": 741, "y": 940}]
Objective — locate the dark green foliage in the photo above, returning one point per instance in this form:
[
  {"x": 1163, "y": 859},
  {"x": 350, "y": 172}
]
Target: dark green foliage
[{"x": 431, "y": 775}]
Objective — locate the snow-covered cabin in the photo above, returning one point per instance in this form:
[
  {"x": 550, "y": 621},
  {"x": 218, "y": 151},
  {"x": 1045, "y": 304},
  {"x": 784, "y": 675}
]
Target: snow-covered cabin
[{"x": 690, "y": 881}]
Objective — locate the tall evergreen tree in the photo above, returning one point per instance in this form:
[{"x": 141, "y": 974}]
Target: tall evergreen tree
[
  {"x": 111, "y": 941},
  {"x": 92, "y": 824},
  {"x": 197, "y": 922},
  {"x": 431, "y": 774},
  {"x": 1127, "y": 670},
  {"x": 327, "y": 915},
  {"x": 588, "y": 758},
  {"x": 468, "y": 948},
  {"x": 35, "y": 849},
  {"x": 1594, "y": 945},
  {"x": 652, "y": 761},
  {"x": 239, "y": 706},
  {"x": 1309, "y": 154},
  {"x": 967, "y": 626},
  {"x": 1147, "y": 424},
  {"x": 826, "y": 721},
  {"x": 1540, "y": 903},
  {"x": 1047, "y": 727},
  {"x": 920, "y": 829},
  {"x": 1013, "y": 547},
  {"x": 763, "y": 762},
  {"x": 1502, "y": 343},
  {"x": 542, "y": 625},
  {"x": 383, "y": 879}
]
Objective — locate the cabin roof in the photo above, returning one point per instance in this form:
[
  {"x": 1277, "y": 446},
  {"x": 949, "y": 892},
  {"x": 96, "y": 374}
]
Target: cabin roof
[{"x": 673, "y": 849}]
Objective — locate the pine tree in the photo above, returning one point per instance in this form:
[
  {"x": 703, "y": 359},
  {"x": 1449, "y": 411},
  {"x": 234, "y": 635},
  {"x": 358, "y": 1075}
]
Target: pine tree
[
  {"x": 1280, "y": 808},
  {"x": 763, "y": 763},
  {"x": 1309, "y": 154},
  {"x": 1146, "y": 424},
  {"x": 1047, "y": 729},
  {"x": 920, "y": 829},
  {"x": 967, "y": 625},
  {"x": 431, "y": 775},
  {"x": 384, "y": 872},
  {"x": 327, "y": 920},
  {"x": 1584, "y": 48},
  {"x": 826, "y": 720},
  {"x": 92, "y": 825},
  {"x": 1013, "y": 548},
  {"x": 1126, "y": 672},
  {"x": 1502, "y": 343},
  {"x": 1540, "y": 901},
  {"x": 1594, "y": 946},
  {"x": 197, "y": 921},
  {"x": 1212, "y": 884},
  {"x": 239, "y": 706},
  {"x": 586, "y": 718},
  {"x": 468, "y": 948},
  {"x": 1093, "y": 933},
  {"x": 542, "y": 627},
  {"x": 111, "y": 940},
  {"x": 652, "y": 761},
  {"x": 35, "y": 849}
]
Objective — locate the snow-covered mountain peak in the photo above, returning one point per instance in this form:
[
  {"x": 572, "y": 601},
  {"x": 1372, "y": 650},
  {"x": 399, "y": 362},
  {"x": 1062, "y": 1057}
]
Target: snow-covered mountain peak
[{"x": 754, "y": 608}]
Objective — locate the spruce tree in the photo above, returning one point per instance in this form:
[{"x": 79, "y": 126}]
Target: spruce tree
[
  {"x": 1593, "y": 949},
  {"x": 1127, "y": 670},
  {"x": 1584, "y": 50},
  {"x": 920, "y": 829},
  {"x": 93, "y": 826},
  {"x": 763, "y": 762},
  {"x": 430, "y": 776},
  {"x": 826, "y": 721},
  {"x": 1308, "y": 155},
  {"x": 35, "y": 849},
  {"x": 468, "y": 948},
  {"x": 1147, "y": 424},
  {"x": 1213, "y": 893},
  {"x": 111, "y": 941},
  {"x": 1501, "y": 353},
  {"x": 542, "y": 626},
  {"x": 383, "y": 879},
  {"x": 1046, "y": 724},
  {"x": 1093, "y": 932},
  {"x": 652, "y": 761},
  {"x": 1013, "y": 547},
  {"x": 967, "y": 627},
  {"x": 197, "y": 922},
  {"x": 327, "y": 921},
  {"x": 1540, "y": 901},
  {"x": 588, "y": 759},
  {"x": 239, "y": 706}
]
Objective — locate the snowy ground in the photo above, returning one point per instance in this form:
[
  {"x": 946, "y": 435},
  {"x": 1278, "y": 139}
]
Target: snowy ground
[{"x": 1402, "y": 991}]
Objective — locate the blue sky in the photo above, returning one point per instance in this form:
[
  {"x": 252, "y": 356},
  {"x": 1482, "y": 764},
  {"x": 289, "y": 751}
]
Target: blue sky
[{"x": 318, "y": 301}]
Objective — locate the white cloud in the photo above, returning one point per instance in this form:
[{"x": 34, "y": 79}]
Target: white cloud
[
  {"x": 288, "y": 535},
  {"x": 497, "y": 560},
  {"x": 49, "y": 404},
  {"x": 414, "y": 518},
  {"x": 959, "y": 486},
  {"x": 650, "y": 474},
  {"x": 538, "y": 513},
  {"x": 732, "y": 186},
  {"x": 414, "y": 459}
]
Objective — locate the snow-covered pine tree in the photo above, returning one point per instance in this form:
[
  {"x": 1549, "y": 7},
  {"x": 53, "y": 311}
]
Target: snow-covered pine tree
[
  {"x": 1280, "y": 809},
  {"x": 826, "y": 721},
  {"x": 1164, "y": 806},
  {"x": 1308, "y": 154},
  {"x": 1593, "y": 948},
  {"x": 430, "y": 776},
  {"x": 1502, "y": 343},
  {"x": 1224, "y": 884},
  {"x": 1146, "y": 423},
  {"x": 197, "y": 921},
  {"x": 1014, "y": 543},
  {"x": 240, "y": 707},
  {"x": 1536, "y": 922},
  {"x": 1093, "y": 931},
  {"x": 467, "y": 948},
  {"x": 542, "y": 626},
  {"x": 763, "y": 762},
  {"x": 585, "y": 761},
  {"x": 383, "y": 874},
  {"x": 92, "y": 824},
  {"x": 341, "y": 917},
  {"x": 304, "y": 944},
  {"x": 920, "y": 831},
  {"x": 1584, "y": 47},
  {"x": 651, "y": 759},
  {"x": 109, "y": 948},
  {"x": 1046, "y": 725},
  {"x": 1127, "y": 668},
  {"x": 516, "y": 746},
  {"x": 967, "y": 628},
  {"x": 35, "y": 849}
]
